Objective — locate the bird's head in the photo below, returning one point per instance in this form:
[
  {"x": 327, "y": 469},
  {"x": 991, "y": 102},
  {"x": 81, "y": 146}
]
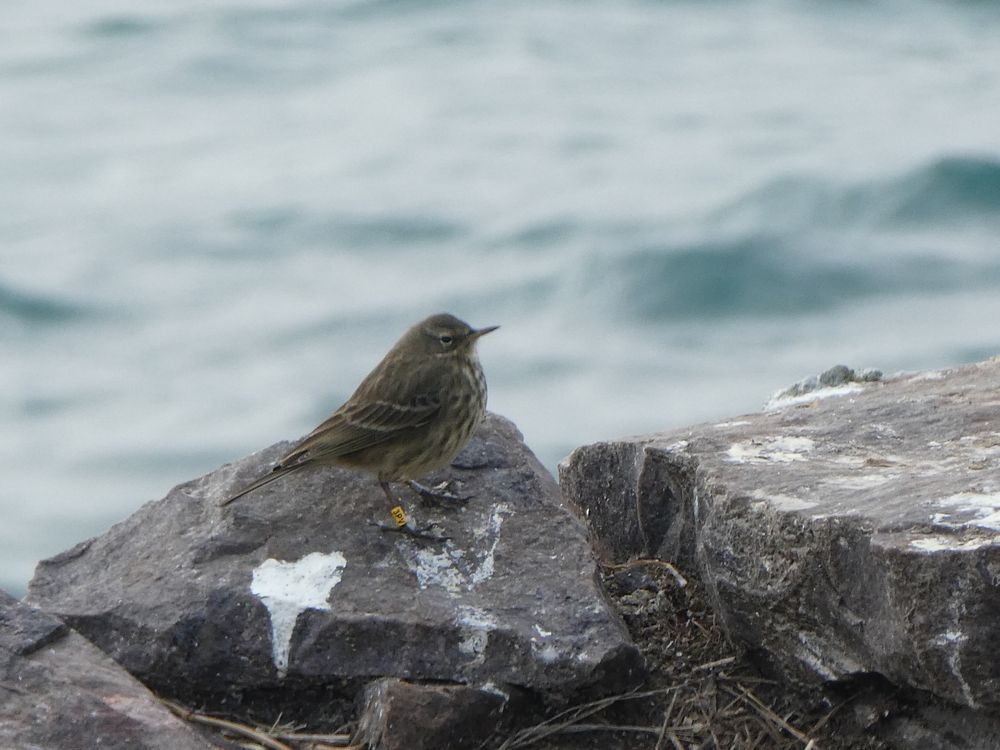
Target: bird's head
[{"x": 443, "y": 333}]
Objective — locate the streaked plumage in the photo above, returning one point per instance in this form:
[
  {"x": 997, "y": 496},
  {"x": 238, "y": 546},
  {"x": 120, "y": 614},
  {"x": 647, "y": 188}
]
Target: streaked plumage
[{"x": 411, "y": 415}]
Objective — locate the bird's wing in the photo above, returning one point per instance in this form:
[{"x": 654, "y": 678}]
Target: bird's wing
[{"x": 365, "y": 421}]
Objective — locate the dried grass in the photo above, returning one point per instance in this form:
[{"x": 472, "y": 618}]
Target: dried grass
[{"x": 701, "y": 693}]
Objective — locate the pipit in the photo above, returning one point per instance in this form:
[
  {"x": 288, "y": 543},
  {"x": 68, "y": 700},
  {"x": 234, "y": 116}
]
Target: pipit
[{"x": 411, "y": 415}]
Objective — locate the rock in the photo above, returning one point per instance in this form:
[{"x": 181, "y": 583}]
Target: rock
[
  {"x": 941, "y": 727},
  {"x": 836, "y": 376},
  {"x": 59, "y": 691},
  {"x": 401, "y": 715},
  {"x": 292, "y": 590},
  {"x": 24, "y": 629},
  {"x": 856, "y": 533}
]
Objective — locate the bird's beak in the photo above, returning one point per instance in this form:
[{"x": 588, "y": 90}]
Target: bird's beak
[{"x": 483, "y": 332}]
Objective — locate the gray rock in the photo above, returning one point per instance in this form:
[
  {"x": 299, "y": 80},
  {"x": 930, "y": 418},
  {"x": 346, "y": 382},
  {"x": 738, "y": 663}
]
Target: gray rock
[
  {"x": 59, "y": 691},
  {"x": 401, "y": 715},
  {"x": 292, "y": 589},
  {"x": 24, "y": 629},
  {"x": 857, "y": 533},
  {"x": 837, "y": 375},
  {"x": 940, "y": 727}
]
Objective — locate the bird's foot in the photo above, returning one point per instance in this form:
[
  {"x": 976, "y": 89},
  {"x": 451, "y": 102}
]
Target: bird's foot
[
  {"x": 423, "y": 533},
  {"x": 404, "y": 524},
  {"x": 438, "y": 496}
]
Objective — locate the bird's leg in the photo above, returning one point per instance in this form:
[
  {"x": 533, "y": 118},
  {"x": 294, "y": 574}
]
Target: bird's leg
[
  {"x": 437, "y": 496},
  {"x": 402, "y": 523}
]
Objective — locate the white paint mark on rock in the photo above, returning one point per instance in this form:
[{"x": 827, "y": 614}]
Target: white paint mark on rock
[
  {"x": 829, "y": 665},
  {"x": 782, "y": 449},
  {"x": 437, "y": 569},
  {"x": 475, "y": 626},
  {"x": 737, "y": 423},
  {"x": 778, "y": 401},
  {"x": 941, "y": 543},
  {"x": 491, "y": 687},
  {"x": 545, "y": 648},
  {"x": 288, "y": 589},
  {"x": 546, "y": 652},
  {"x": 455, "y": 569},
  {"x": 490, "y": 529},
  {"x": 951, "y": 641},
  {"x": 929, "y": 375},
  {"x": 949, "y": 636},
  {"x": 983, "y": 506}
]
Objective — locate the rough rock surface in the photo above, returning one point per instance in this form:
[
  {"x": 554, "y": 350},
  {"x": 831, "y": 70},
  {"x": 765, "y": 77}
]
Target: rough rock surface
[
  {"x": 400, "y": 715},
  {"x": 59, "y": 691},
  {"x": 292, "y": 588},
  {"x": 852, "y": 530}
]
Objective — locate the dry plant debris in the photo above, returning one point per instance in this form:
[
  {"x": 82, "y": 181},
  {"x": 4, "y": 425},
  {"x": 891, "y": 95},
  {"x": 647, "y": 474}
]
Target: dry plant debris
[
  {"x": 233, "y": 734},
  {"x": 701, "y": 693}
]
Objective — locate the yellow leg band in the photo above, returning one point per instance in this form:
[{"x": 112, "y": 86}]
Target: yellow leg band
[{"x": 399, "y": 515}]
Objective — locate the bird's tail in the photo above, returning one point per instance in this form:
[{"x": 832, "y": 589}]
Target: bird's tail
[{"x": 277, "y": 473}]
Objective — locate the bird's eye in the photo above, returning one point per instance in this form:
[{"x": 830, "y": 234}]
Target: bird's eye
[{"x": 446, "y": 339}]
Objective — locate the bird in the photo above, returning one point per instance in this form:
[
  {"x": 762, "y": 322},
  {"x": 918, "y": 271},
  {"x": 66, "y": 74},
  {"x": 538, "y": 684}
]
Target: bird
[{"x": 411, "y": 415}]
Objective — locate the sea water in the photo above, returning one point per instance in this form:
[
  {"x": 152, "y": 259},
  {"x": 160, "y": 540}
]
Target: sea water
[{"x": 215, "y": 217}]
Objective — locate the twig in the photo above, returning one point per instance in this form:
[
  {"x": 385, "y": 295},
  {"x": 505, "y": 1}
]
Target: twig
[
  {"x": 715, "y": 737},
  {"x": 748, "y": 680},
  {"x": 766, "y": 712},
  {"x": 700, "y": 627},
  {"x": 274, "y": 725},
  {"x": 230, "y": 726},
  {"x": 533, "y": 734},
  {"x": 574, "y": 715},
  {"x": 582, "y": 728},
  {"x": 823, "y": 722},
  {"x": 725, "y": 662},
  {"x": 338, "y": 740},
  {"x": 661, "y": 740}
]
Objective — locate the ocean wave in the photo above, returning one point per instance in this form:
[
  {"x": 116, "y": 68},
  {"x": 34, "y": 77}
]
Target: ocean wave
[
  {"x": 769, "y": 275},
  {"x": 35, "y": 308},
  {"x": 801, "y": 245},
  {"x": 948, "y": 191},
  {"x": 389, "y": 231},
  {"x": 122, "y": 26}
]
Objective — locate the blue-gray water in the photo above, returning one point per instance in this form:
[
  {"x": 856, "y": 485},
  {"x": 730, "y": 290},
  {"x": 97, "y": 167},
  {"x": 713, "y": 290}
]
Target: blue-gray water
[{"x": 215, "y": 218}]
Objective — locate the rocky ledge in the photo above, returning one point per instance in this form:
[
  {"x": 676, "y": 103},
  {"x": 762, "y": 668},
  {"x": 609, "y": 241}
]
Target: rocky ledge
[
  {"x": 292, "y": 601},
  {"x": 850, "y": 532},
  {"x": 846, "y": 536}
]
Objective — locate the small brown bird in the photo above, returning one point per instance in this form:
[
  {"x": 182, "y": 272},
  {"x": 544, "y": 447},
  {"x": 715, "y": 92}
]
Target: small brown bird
[{"x": 411, "y": 415}]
